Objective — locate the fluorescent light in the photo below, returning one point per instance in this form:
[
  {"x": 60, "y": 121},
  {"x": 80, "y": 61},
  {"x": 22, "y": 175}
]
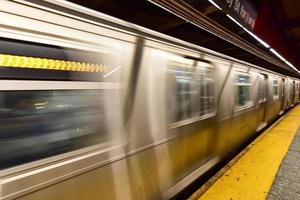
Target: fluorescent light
[
  {"x": 265, "y": 44},
  {"x": 211, "y": 1},
  {"x": 249, "y": 32},
  {"x": 292, "y": 66},
  {"x": 289, "y": 64},
  {"x": 277, "y": 54},
  {"x": 234, "y": 21},
  {"x": 257, "y": 38},
  {"x": 164, "y": 8}
]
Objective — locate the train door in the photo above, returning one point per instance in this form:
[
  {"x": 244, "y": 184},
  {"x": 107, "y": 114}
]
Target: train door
[{"x": 191, "y": 114}]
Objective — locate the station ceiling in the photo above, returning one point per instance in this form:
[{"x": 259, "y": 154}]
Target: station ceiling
[
  {"x": 288, "y": 19},
  {"x": 283, "y": 16}
]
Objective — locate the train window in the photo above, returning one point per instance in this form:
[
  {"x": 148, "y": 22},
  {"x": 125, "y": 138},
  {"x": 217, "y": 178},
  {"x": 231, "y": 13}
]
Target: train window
[
  {"x": 193, "y": 91},
  {"x": 288, "y": 92},
  {"x": 262, "y": 89},
  {"x": 275, "y": 89},
  {"x": 182, "y": 98},
  {"x": 39, "y": 124},
  {"x": 242, "y": 84},
  {"x": 207, "y": 91},
  {"x": 62, "y": 102}
]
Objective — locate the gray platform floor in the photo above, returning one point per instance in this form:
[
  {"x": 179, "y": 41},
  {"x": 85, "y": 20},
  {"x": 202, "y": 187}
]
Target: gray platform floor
[{"x": 286, "y": 185}]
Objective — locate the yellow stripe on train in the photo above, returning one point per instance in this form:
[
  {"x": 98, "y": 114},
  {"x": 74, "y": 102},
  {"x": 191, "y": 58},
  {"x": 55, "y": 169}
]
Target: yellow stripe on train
[{"x": 7, "y": 60}]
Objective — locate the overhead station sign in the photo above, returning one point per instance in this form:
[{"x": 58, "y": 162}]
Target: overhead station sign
[{"x": 241, "y": 10}]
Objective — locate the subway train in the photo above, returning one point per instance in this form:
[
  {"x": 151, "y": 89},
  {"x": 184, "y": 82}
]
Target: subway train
[{"x": 93, "y": 107}]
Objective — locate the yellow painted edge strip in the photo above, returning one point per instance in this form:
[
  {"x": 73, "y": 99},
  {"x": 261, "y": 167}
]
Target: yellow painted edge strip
[
  {"x": 251, "y": 177},
  {"x": 16, "y": 61},
  {"x": 222, "y": 171}
]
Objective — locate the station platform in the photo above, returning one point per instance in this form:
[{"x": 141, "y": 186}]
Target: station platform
[{"x": 269, "y": 168}]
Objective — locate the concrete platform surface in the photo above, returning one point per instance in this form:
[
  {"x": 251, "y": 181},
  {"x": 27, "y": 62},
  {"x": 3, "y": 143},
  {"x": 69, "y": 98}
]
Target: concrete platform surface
[{"x": 287, "y": 181}]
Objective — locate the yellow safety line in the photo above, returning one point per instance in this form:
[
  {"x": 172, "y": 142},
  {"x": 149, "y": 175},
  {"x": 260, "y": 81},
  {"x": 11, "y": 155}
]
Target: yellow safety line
[{"x": 252, "y": 175}]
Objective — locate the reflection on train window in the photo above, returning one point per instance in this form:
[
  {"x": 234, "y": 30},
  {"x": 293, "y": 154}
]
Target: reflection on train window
[
  {"x": 207, "y": 91},
  {"x": 192, "y": 91},
  {"x": 275, "y": 89},
  {"x": 262, "y": 89},
  {"x": 183, "y": 95},
  {"x": 39, "y": 124},
  {"x": 242, "y": 84},
  {"x": 288, "y": 91},
  {"x": 292, "y": 88},
  {"x": 297, "y": 87}
]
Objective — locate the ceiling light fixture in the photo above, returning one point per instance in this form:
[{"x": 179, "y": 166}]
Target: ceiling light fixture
[
  {"x": 249, "y": 32},
  {"x": 277, "y": 54},
  {"x": 216, "y": 5}
]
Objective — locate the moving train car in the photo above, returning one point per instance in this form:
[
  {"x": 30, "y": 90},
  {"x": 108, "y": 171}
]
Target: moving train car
[{"x": 93, "y": 107}]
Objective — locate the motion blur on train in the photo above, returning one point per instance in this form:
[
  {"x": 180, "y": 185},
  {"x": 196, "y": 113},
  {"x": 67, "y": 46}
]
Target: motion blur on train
[{"x": 92, "y": 107}]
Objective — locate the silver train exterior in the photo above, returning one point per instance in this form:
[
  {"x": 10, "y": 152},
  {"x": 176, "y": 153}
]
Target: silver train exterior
[{"x": 105, "y": 109}]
